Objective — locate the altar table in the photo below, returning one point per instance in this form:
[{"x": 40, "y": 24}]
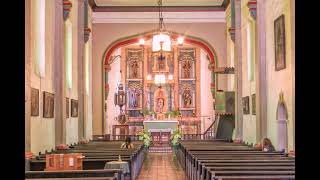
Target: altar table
[
  {"x": 160, "y": 125},
  {"x": 160, "y": 129}
]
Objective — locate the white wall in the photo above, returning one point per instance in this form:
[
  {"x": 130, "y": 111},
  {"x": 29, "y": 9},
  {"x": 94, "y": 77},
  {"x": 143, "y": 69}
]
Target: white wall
[
  {"x": 278, "y": 81},
  {"x": 42, "y": 129},
  {"x": 205, "y": 94},
  {"x": 114, "y": 78}
]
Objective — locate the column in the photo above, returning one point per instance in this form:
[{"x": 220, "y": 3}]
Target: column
[
  {"x": 293, "y": 35},
  {"x": 81, "y": 70},
  {"x": 261, "y": 80},
  {"x": 28, "y": 70},
  {"x": 238, "y": 70},
  {"x": 59, "y": 73}
]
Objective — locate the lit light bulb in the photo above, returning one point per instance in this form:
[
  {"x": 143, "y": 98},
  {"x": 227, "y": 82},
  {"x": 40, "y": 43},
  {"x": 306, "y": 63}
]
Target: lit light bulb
[
  {"x": 180, "y": 40},
  {"x": 170, "y": 77},
  {"x": 141, "y": 41},
  {"x": 149, "y": 77}
]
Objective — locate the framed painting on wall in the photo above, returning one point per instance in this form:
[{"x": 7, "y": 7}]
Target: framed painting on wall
[
  {"x": 67, "y": 107},
  {"x": 34, "y": 102},
  {"x": 280, "y": 43},
  {"x": 253, "y": 98},
  {"x": 74, "y": 108},
  {"x": 245, "y": 105},
  {"x": 48, "y": 105}
]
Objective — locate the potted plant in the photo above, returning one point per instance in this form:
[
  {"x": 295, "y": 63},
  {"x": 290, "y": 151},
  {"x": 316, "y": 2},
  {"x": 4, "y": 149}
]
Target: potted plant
[
  {"x": 175, "y": 138},
  {"x": 145, "y": 137}
]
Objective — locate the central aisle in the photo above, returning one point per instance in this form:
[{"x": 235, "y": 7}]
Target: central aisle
[{"x": 161, "y": 166}]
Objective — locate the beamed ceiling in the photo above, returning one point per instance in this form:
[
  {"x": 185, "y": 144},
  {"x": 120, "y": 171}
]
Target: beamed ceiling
[{"x": 152, "y": 5}]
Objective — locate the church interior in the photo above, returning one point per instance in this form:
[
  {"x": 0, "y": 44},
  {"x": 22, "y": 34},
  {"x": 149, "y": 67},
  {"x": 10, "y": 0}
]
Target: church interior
[{"x": 160, "y": 89}]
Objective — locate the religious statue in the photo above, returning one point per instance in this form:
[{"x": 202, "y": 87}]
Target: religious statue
[
  {"x": 134, "y": 102},
  {"x": 187, "y": 98},
  {"x": 161, "y": 61},
  {"x": 134, "y": 69},
  {"x": 160, "y": 105},
  {"x": 186, "y": 69}
]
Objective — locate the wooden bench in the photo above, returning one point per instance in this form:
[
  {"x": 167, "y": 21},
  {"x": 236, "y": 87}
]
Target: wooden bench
[
  {"x": 97, "y": 154},
  {"x": 223, "y": 160},
  {"x": 109, "y": 173}
]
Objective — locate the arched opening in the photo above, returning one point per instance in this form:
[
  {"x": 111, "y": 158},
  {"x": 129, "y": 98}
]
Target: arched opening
[
  {"x": 111, "y": 53},
  {"x": 282, "y": 120}
]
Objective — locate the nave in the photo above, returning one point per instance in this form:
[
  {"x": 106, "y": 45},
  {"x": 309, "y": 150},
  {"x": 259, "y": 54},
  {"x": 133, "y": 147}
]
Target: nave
[
  {"x": 159, "y": 89},
  {"x": 192, "y": 159}
]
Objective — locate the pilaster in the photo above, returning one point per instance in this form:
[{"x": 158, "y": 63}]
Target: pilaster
[
  {"x": 261, "y": 73},
  {"x": 81, "y": 70},
  {"x": 238, "y": 70},
  {"x": 59, "y": 74},
  {"x": 28, "y": 70}
]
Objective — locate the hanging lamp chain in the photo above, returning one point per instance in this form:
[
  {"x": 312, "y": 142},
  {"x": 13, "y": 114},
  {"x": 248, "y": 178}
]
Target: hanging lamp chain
[{"x": 161, "y": 23}]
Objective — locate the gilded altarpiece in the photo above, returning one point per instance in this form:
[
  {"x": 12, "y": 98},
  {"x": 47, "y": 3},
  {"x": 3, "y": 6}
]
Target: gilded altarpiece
[
  {"x": 187, "y": 81},
  {"x": 181, "y": 92},
  {"x": 134, "y": 80}
]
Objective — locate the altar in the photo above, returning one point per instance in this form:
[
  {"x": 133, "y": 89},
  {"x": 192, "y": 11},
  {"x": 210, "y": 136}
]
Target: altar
[
  {"x": 160, "y": 130},
  {"x": 160, "y": 125}
]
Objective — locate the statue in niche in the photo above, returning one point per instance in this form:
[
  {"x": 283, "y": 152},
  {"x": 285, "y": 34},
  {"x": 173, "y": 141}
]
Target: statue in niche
[
  {"x": 161, "y": 61},
  {"x": 134, "y": 98},
  {"x": 187, "y": 98},
  {"x": 160, "y": 105},
  {"x": 134, "y": 66},
  {"x": 186, "y": 67}
]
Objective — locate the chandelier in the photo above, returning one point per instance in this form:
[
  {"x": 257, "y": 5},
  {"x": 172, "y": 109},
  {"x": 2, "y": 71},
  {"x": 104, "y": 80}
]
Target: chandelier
[{"x": 161, "y": 41}]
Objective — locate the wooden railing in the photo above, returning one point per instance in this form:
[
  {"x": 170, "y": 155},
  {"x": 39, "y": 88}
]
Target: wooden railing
[{"x": 208, "y": 134}]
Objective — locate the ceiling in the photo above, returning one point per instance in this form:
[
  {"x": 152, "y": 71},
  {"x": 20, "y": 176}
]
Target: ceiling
[
  {"x": 155, "y": 2},
  {"x": 152, "y": 5}
]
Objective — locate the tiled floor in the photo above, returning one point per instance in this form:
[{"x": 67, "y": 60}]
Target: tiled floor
[{"x": 161, "y": 166}]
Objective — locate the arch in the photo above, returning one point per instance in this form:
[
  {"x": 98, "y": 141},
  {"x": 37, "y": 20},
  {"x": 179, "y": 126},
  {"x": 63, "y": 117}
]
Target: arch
[
  {"x": 282, "y": 119},
  {"x": 107, "y": 58},
  {"x": 148, "y": 35}
]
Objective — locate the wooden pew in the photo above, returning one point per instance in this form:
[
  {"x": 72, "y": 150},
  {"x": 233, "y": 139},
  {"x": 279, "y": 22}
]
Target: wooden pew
[
  {"x": 97, "y": 154},
  {"x": 110, "y": 173},
  {"x": 212, "y": 160}
]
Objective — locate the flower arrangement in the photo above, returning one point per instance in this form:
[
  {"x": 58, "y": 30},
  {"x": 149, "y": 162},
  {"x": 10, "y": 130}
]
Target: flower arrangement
[
  {"x": 145, "y": 112},
  {"x": 176, "y": 136},
  {"x": 174, "y": 113},
  {"x": 145, "y": 137}
]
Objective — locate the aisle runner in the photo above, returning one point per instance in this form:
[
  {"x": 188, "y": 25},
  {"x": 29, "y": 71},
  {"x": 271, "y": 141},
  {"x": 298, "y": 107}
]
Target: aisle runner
[{"x": 159, "y": 149}]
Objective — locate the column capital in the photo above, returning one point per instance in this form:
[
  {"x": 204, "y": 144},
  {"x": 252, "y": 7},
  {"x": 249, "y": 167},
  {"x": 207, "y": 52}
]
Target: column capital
[
  {"x": 232, "y": 32},
  {"x": 67, "y": 5},
  {"x": 107, "y": 67},
  {"x": 252, "y": 5},
  {"x": 87, "y": 32}
]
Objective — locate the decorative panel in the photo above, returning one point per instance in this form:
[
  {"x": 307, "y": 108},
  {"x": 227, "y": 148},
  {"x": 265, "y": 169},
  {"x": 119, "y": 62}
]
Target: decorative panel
[
  {"x": 134, "y": 81},
  {"x": 134, "y": 58},
  {"x": 187, "y": 81}
]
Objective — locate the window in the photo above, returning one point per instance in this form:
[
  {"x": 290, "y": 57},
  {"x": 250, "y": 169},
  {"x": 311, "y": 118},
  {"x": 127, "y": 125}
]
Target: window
[
  {"x": 68, "y": 52},
  {"x": 39, "y": 43}
]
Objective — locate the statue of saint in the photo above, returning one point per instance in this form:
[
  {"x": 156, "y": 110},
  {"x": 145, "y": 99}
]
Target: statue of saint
[
  {"x": 160, "y": 104},
  {"x": 187, "y": 98},
  {"x": 134, "y": 99},
  {"x": 134, "y": 68},
  {"x": 186, "y": 69}
]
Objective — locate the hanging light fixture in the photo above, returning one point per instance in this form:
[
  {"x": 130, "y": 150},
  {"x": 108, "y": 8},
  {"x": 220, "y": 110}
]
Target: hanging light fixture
[{"x": 162, "y": 40}]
